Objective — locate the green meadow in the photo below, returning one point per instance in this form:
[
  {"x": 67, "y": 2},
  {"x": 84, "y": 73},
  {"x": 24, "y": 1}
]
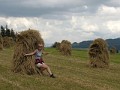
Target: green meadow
[{"x": 72, "y": 73}]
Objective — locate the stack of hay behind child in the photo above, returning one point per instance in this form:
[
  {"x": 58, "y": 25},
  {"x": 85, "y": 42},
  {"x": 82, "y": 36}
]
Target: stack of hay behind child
[
  {"x": 98, "y": 53},
  {"x": 1, "y": 43},
  {"x": 26, "y": 42},
  {"x": 65, "y": 47}
]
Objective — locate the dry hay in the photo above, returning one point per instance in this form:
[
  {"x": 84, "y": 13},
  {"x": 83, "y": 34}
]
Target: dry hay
[
  {"x": 65, "y": 47},
  {"x": 58, "y": 46},
  {"x": 98, "y": 53},
  {"x": 113, "y": 50},
  {"x": 8, "y": 42},
  {"x": 26, "y": 42},
  {"x": 1, "y": 43}
]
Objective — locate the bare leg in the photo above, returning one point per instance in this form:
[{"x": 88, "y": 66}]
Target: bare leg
[
  {"x": 41, "y": 67},
  {"x": 47, "y": 68},
  {"x": 41, "y": 70}
]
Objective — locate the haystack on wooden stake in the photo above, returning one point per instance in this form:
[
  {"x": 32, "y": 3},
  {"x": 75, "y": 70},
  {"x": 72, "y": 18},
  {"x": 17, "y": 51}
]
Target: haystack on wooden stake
[
  {"x": 58, "y": 46},
  {"x": 1, "y": 43},
  {"x": 113, "y": 50},
  {"x": 65, "y": 47},
  {"x": 8, "y": 42},
  {"x": 98, "y": 53},
  {"x": 26, "y": 42}
]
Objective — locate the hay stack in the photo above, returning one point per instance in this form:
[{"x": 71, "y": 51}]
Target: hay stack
[
  {"x": 1, "y": 43},
  {"x": 58, "y": 46},
  {"x": 98, "y": 53},
  {"x": 8, "y": 42},
  {"x": 113, "y": 50},
  {"x": 26, "y": 42},
  {"x": 65, "y": 47}
]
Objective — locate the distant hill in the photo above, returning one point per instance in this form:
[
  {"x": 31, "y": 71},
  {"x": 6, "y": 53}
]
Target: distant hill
[{"x": 86, "y": 44}]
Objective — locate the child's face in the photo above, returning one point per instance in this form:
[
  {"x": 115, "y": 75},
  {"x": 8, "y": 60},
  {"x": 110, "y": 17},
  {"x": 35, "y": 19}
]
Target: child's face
[{"x": 40, "y": 46}]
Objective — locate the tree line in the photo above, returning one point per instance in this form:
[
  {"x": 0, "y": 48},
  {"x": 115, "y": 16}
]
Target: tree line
[{"x": 6, "y": 32}]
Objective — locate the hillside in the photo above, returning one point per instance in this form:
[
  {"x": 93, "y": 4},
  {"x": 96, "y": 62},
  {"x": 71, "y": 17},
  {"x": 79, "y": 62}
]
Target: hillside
[
  {"x": 86, "y": 44},
  {"x": 72, "y": 73}
]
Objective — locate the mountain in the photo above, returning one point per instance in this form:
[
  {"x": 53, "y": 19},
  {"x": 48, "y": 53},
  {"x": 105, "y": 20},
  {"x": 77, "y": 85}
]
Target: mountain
[
  {"x": 114, "y": 43},
  {"x": 85, "y": 44}
]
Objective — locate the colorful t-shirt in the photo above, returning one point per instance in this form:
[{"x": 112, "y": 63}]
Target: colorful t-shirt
[{"x": 38, "y": 54}]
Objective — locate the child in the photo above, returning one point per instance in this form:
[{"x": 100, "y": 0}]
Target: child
[{"x": 39, "y": 61}]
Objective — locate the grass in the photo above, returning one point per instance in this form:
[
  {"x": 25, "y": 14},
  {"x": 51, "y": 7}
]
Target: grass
[{"x": 72, "y": 73}]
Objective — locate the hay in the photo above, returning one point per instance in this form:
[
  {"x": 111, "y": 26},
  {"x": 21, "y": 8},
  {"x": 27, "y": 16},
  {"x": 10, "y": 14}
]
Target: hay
[
  {"x": 113, "y": 50},
  {"x": 1, "y": 43},
  {"x": 65, "y": 47},
  {"x": 98, "y": 53},
  {"x": 26, "y": 42},
  {"x": 58, "y": 46},
  {"x": 8, "y": 42}
]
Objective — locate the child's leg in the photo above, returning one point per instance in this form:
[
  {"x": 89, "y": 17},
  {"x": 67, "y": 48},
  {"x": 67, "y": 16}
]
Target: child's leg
[{"x": 47, "y": 68}]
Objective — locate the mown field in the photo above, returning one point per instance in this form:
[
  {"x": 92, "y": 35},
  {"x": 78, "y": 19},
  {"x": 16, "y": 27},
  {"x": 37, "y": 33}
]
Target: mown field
[{"x": 72, "y": 73}]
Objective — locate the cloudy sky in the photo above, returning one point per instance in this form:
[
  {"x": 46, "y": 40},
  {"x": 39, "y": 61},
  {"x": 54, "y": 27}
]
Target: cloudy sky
[{"x": 57, "y": 20}]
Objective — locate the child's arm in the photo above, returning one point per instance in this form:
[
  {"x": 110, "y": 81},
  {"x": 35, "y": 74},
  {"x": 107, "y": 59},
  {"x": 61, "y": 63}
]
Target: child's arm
[{"x": 32, "y": 53}]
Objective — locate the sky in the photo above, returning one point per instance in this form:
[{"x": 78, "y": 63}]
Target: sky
[{"x": 57, "y": 20}]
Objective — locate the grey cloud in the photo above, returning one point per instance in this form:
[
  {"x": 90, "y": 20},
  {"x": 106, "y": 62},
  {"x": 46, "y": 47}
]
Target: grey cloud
[
  {"x": 21, "y": 8},
  {"x": 113, "y": 3}
]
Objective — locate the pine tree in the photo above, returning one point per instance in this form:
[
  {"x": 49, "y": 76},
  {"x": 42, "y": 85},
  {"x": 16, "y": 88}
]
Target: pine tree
[
  {"x": 12, "y": 33},
  {"x": 2, "y": 31},
  {"x": 8, "y": 32}
]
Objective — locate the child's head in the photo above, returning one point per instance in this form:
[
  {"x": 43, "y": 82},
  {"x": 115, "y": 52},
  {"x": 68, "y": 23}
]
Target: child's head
[{"x": 40, "y": 46}]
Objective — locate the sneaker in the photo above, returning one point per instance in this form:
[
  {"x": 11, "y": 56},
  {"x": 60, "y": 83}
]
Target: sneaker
[{"x": 52, "y": 76}]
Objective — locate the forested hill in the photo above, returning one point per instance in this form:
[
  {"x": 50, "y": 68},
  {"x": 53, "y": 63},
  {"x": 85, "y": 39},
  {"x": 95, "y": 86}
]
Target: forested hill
[{"x": 85, "y": 44}]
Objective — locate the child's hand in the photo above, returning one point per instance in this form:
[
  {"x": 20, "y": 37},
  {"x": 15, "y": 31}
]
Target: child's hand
[{"x": 25, "y": 54}]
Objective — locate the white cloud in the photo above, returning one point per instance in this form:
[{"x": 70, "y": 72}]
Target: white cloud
[
  {"x": 89, "y": 27},
  {"x": 85, "y": 6},
  {"x": 84, "y": 23},
  {"x": 113, "y": 26},
  {"x": 106, "y": 10},
  {"x": 76, "y": 28}
]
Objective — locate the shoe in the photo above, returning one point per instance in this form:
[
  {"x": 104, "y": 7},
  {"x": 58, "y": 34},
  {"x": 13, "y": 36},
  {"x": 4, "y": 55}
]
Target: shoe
[{"x": 52, "y": 76}]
